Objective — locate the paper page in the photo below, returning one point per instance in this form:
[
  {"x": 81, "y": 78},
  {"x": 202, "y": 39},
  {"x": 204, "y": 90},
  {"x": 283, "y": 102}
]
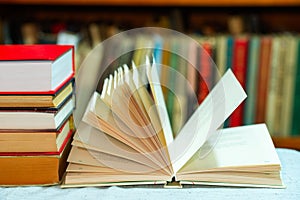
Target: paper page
[
  {"x": 225, "y": 97},
  {"x": 160, "y": 102},
  {"x": 236, "y": 147}
]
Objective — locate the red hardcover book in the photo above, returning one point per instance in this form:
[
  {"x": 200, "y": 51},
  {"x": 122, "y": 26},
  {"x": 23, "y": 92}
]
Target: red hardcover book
[
  {"x": 239, "y": 68},
  {"x": 35, "y": 69},
  {"x": 205, "y": 69},
  {"x": 263, "y": 78}
]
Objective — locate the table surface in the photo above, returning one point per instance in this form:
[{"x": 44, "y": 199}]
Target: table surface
[{"x": 290, "y": 160}]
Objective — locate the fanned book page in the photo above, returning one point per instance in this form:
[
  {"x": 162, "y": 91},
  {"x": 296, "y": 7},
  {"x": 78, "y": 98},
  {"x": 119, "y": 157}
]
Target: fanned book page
[{"x": 126, "y": 138}]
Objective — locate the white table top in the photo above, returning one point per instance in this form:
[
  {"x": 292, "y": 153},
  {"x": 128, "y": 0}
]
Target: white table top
[{"x": 290, "y": 173}]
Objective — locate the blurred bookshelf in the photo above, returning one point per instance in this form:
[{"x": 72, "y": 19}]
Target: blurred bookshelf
[{"x": 206, "y": 18}]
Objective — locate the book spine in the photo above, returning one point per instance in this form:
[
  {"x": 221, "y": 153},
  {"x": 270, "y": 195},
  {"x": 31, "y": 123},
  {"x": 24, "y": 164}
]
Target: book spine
[
  {"x": 289, "y": 79},
  {"x": 180, "y": 102},
  {"x": 296, "y": 108},
  {"x": 174, "y": 59},
  {"x": 221, "y": 50},
  {"x": 192, "y": 78},
  {"x": 251, "y": 80},
  {"x": 206, "y": 72},
  {"x": 239, "y": 68},
  {"x": 273, "y": 86},
  {"x": 263, "y": 78},
  {"x": 165, "y": 70}
]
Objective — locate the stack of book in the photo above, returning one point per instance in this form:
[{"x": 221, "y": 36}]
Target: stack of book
[{"x": 36, "y": 112}]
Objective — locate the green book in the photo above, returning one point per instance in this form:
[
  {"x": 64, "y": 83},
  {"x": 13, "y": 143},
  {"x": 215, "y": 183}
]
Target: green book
[
  {"x": 171, "y": 98},
  {"x": 251, "y": 80},
  {"x": 296, "y": 108}
]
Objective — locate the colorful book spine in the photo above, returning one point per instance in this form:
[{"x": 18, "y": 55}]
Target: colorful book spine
[
  {"x": 239, "y": 68},
  {"x": 206, "y": 71},
  {"x": 174, "y": 61},
  {"x": 296, "y": 108},
  {"x": 251, "y": 80},
  {"x": 289, "y": 85},
  {"x": 181, "y": 101},
  {"x": 273, "y": 85},
  {"x": 263, "y": 78},
  {"x": 221, "y": 57}
]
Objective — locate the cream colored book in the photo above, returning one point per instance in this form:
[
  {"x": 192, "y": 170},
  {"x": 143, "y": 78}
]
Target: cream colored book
[{"x": 125, "y": 138}]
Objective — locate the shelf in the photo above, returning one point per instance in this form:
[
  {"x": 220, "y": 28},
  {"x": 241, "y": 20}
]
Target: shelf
[
  {"x": 158, "y": 2},
  {"x": 290, "y": 142}
]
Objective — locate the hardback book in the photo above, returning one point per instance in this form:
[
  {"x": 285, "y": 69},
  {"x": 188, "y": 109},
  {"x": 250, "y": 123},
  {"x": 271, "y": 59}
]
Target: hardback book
[
  {"x": 275, "y": 86},
  {"x": 251, "y": 80},
  {"x": 295, "y": 127},
  {"x": 36, "y": 118},
  {"x": 263, "y": 77},
  {"x": 38, "y": 100},
  {"x": 125, "y": 138},
  {"x": 34, "y": 169},
  {"x": 290, "y": 88},
  {"x": 25, "y": 142},
  {"x": 39, "y": 69},
  {"x": 239, "y": 68}
]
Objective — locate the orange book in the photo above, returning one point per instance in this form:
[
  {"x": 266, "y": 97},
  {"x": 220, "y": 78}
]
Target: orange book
[
  {"x": 263, "y": 78},
  {"x": 25, "y": 142},
  {"x": 34, "y": 169}
]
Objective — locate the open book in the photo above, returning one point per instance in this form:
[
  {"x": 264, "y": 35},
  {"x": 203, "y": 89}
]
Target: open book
[{"x": 125, "y": 138}]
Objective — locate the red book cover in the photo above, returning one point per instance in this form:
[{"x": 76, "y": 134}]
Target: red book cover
[
  {"x": 239, "y": 68},
  {"x": 38, "y": 52},
  {"x": 205, "y": 69},
  {"x": 32, "y": 52},
  {"x": 263, "y": 80}
]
